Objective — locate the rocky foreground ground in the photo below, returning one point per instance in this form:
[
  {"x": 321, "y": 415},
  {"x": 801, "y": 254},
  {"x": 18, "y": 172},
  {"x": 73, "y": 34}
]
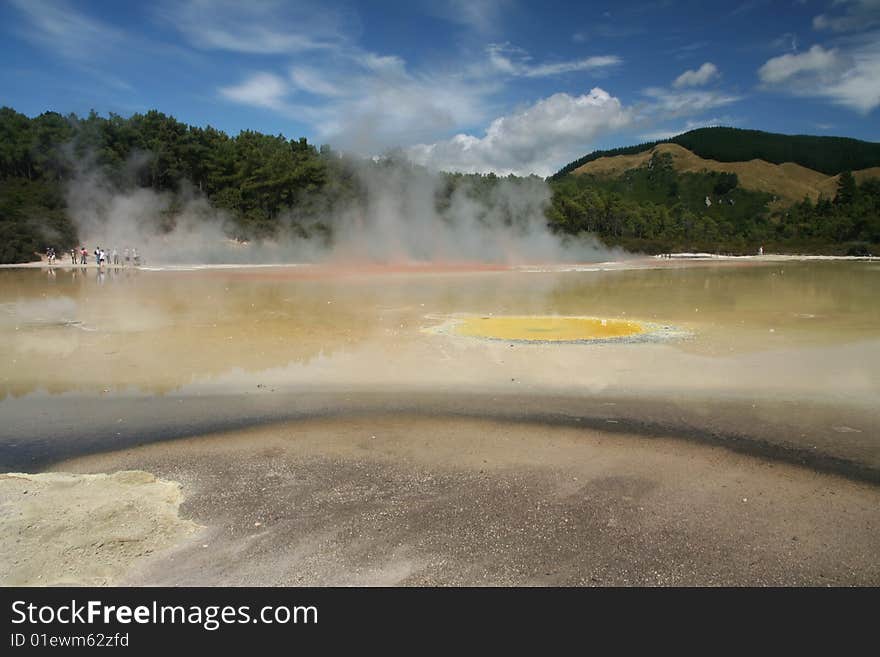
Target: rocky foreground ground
[{"x": 411, "y": 500}]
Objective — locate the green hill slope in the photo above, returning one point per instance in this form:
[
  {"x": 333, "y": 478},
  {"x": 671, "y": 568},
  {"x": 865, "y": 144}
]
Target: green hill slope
[{"x": 829, "y": 155}]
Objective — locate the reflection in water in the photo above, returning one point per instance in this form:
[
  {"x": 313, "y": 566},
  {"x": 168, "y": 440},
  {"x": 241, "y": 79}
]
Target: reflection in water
[{"x": 791, "y": 328}]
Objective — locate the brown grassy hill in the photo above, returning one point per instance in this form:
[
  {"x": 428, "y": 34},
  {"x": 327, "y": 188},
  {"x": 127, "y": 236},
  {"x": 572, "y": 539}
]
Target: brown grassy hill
[
  {"x": 789, "y": 182},
  {"x": 864, "y": 174}
]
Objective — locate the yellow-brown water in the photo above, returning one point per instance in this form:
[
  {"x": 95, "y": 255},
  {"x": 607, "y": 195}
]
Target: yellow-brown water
[
  {"x": 790, "y": 346},
  {"x": 793, "y": 329},
  {"x": 543, "y": 328}
]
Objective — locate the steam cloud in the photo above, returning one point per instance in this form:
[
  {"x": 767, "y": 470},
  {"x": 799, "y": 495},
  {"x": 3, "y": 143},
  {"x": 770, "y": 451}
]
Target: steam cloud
[{"x": 395, "y": 219}]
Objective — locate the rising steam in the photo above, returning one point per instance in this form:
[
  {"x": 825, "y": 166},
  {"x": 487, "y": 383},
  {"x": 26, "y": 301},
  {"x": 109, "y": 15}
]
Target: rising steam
[{"x": 403, "y": 213}]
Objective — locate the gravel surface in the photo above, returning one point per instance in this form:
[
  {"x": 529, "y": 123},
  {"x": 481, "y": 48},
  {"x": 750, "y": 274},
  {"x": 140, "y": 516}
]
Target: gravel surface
[{"x": 409, "y": 500}]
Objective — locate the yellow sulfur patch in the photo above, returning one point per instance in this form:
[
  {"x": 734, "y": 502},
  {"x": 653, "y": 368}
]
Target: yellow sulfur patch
[{"x": 547, "y": 328}]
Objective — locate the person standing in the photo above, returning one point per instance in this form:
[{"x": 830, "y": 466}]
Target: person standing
[
  {"x": 115, "y": 257},
  {"x": 83, "y": 256}
]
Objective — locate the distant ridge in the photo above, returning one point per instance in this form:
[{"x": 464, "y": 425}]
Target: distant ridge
[
  {"x": 828, "y": 155},
  {"x": 788, "y": 182}
]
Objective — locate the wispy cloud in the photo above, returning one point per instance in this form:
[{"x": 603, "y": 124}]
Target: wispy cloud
[
  {"x": 699, "y": 77},
  {"x": 480, "y": 16},
  {"x": 514, "y": 61},
  {"x": 59, "y": 27},
  {"x": 847, "y": 76},
  {"x": 259, "y": 90},
  {"x": 670, "y": 103},
  {"x": 787, "y": 41},
  {"x": 816, "y": 62},
  {"x": 257, "y": 27},
  {"x": 746, "y": 7},
  {"x": 691, "y": 47},
  {"x": 857, "y": 15},
  {"x": 367, "y": 102},
  {"x": 313, "y": 81},
  {"x": 384, "y": 108},
  {"x": 318, "y": 74},
  {"x": 688, "y": 50}
]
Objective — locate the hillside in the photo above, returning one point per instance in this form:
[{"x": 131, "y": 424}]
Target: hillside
[
  {"x": 788, "y": 182},
  {"x": 828, "y": 155},
  {"x": 670, "y": 199}
]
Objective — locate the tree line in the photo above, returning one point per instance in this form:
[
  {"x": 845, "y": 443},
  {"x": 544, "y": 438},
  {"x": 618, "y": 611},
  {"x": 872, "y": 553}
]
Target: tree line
[
  {"x": 262, "y": 181},
  {"x": 655, "y": 209},
  {"x": 829, "y": 155}
]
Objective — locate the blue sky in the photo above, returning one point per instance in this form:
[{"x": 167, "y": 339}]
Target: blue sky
[{"x": 503, "y": 85}]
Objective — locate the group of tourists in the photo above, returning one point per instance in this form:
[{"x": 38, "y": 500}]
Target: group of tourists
[{"x": 103, "y": 257}]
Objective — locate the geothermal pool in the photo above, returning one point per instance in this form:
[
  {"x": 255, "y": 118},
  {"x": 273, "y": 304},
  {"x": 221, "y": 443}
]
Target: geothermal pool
[
  {"x": 309, "y": 378},
  {"x": 789, "y": 330},
  {"x": 553, "y": 328}
]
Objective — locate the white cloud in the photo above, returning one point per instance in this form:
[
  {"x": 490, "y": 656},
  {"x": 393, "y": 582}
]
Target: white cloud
[
  {"x": 386, "y": 65},
  {"x": 481, "y": 16},
  {"x": 313, "y": 81},
  {"x": 858, "y": 15},
  {"x": 815, "y": 62},
  {"x": 257, "y": 27},
  {"x": 95, "y": 47},
  {"x": 588, "y": 64},
  {"x": 787, "y": 41},
  {"x": 59, "y": 27},
  {"x": 537, "y": 139},
  {"x": 511, "y": 60},
  {"x": 667, "y": 103},
  {"x": 703, "y": 75},
  {"x": 848, "y": 77},
  {"x": 357, "y": 100},
  {"x": 366, "y": 102},
  {"x": 260, "y": 90},
  {"x": 384, "y": 109},
  {"x": 671, "y": 104}
]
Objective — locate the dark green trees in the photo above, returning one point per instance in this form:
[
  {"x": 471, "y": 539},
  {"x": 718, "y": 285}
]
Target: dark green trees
[
  {"x": 254, "y": 178},
  {"x": 267, "y": 186},
  {"x": 655, "y": 209},
  {"x": 846, "y": 189},
  {"x": 830, "y": 155}
]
